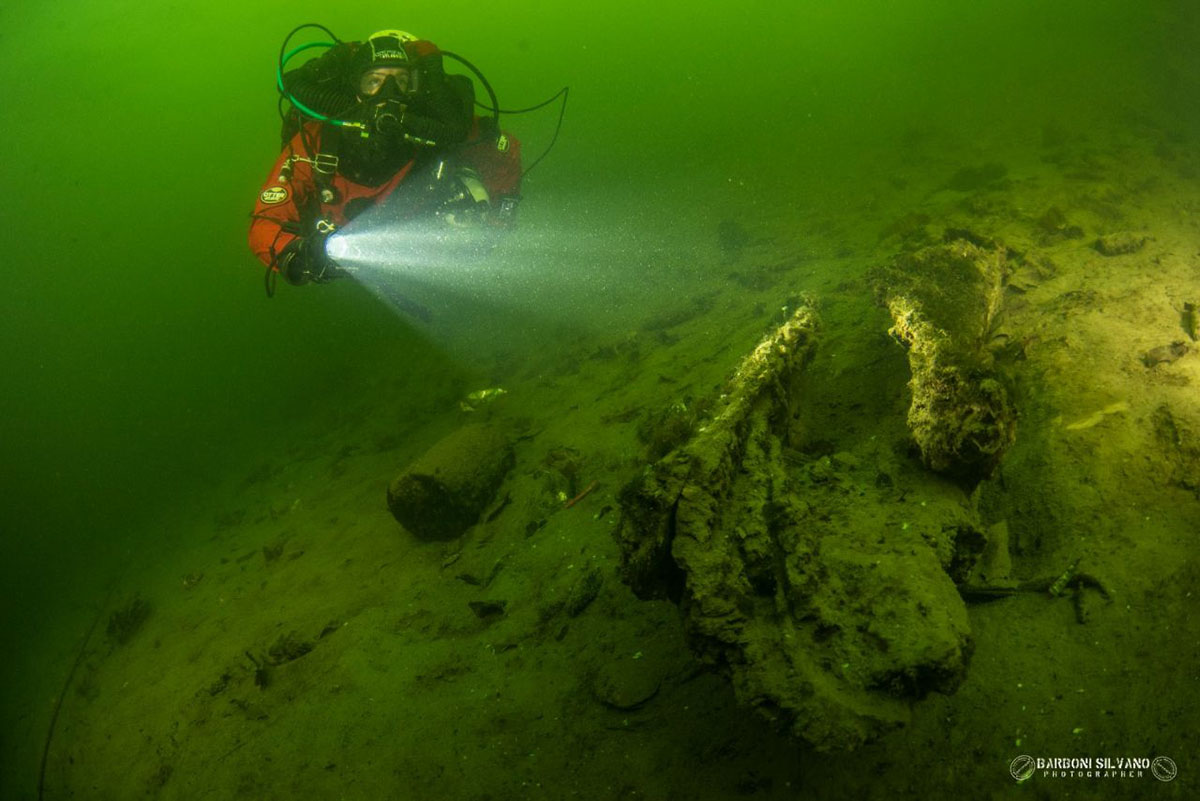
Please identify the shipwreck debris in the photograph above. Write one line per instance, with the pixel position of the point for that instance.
(946, 304)
(1070, 583)
(444, 492)
(796, 577)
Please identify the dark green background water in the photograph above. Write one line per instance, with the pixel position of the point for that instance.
(140, 359)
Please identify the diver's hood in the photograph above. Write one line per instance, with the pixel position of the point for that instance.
(392, 48)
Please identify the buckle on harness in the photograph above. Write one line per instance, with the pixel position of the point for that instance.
(323, 163)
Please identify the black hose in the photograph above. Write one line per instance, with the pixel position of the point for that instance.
(544, 103)
(497, 111)
(565, 92)
(330, 101)
(296, 30)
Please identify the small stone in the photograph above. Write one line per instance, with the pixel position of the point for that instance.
(1164, 354)
(1119, 244)
(584, 592)
(286, 648)
(627, 684)
(845, 460)
(488, 611)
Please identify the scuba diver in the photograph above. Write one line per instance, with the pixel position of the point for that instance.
(367, 118)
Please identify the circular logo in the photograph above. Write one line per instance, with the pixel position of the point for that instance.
(273, 195)
(1164, 769)
(1022, 767)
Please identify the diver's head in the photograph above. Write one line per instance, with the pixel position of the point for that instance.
(386, 54)
(387, 77)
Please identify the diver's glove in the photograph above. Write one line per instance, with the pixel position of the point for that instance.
(305, 260)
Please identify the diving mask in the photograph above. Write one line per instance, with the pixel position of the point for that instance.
(385, 93)
(387, 81)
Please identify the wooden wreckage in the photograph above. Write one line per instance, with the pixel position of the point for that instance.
(826, 598)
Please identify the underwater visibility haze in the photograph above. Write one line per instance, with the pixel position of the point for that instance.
(825, 428)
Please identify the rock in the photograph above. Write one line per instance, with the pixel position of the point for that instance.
(1119, 244)
(442, 494)
(627, 683)
(584, 592)
(287, 648)
(488, 611)
(1164, 354)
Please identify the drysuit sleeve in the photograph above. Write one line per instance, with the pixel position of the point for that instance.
(276, 220)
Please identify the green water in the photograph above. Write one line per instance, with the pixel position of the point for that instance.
(145, 371)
